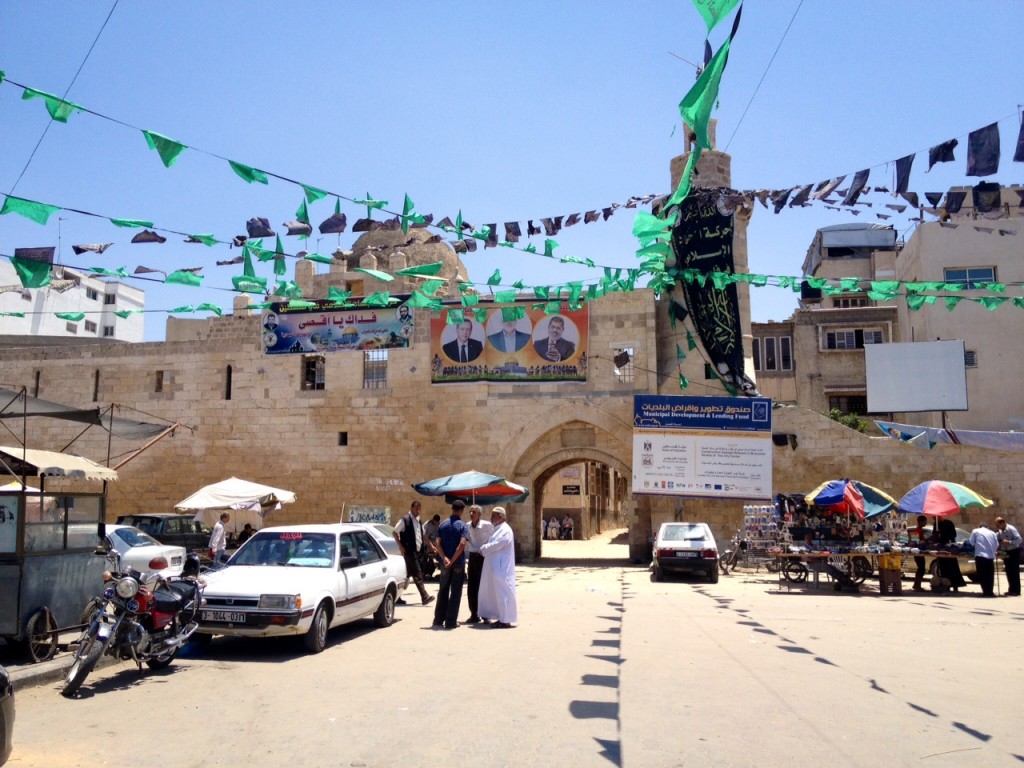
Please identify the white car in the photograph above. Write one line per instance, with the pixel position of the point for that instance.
(685, 548)
(302, 580)
(141, 552)
(385, 536)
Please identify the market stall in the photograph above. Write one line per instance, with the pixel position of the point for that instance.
(247, 502)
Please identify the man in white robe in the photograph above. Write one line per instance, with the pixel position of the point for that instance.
(497, 599)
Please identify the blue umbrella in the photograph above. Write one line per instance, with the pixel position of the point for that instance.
(851, 497)
(474, 487)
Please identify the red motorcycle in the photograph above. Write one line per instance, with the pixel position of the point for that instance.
(146, 622)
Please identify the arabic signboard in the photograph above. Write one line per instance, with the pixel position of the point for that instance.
(702, 446)
(325, 329)
(570, 490)
(536, 347)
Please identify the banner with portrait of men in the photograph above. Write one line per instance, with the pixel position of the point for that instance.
(509, 344)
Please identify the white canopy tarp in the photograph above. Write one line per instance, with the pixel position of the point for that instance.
(247, 502)
(40, 463)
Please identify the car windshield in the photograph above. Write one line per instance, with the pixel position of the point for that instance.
(287, 548)
(683, 532)
(135, 538)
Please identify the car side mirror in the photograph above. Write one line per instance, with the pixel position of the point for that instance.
(348, 561)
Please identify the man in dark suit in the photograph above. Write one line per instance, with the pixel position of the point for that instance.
(509, 338)
(554, 348)
(463, 348)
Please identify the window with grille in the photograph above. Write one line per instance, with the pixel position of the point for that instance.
(72, 327)
(773, 353)
(375, 369)
(313, 371)
(969, 277)
(853, 338)
(623, 360)
(90, 326)
(857, 404)
(850, 301)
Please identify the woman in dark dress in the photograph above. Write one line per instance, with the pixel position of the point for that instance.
(949, 567)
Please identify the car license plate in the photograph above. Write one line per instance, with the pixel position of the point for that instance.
(228, 616)
(687, 554)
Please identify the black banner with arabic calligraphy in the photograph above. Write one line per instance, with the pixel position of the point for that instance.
(702, 240)
(288, 331)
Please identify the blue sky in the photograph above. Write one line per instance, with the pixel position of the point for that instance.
(507, 111)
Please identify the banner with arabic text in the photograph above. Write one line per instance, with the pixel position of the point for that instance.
(324, 329)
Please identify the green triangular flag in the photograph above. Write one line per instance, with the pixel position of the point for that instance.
(419, 300)
(480, 315)
(382, 276)
(455, 316)
(470, 299)
(504, 297)
(430, 287)
(690, 343)
(381, 298)
(248, 173)
(683, 382)
(421, 269)
(302, 214)
(184, 278)
(124, 314)
(319, 258)
(280, 268)
(495, 279)
(207, 240)
(30, 209)
(71, 317)
(33, 274)
(119, 272)
(10, 314)
(182, 310)
(132, 223)
(337, 295)
(211, 308)
(714, 11)
(59, 109)
(249, 283)
(549, 247)
(697, 104)
(511, 314)
(168, 149)
(313, 194)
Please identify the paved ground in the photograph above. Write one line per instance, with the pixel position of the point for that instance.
(607, 669)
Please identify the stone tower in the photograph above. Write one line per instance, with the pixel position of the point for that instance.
(714, 169)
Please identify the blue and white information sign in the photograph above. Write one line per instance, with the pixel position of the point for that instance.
(702, 446)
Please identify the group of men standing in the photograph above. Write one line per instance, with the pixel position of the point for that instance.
(987, 544)
(489, 549)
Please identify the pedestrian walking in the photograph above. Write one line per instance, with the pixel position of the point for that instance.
(452, 537)
(498, 582)
(479, 533)
(1009, 542)
(409, 535)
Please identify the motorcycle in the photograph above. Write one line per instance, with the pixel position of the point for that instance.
(147, 621)
(732, 556)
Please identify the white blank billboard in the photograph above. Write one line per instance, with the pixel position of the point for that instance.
(919, 376)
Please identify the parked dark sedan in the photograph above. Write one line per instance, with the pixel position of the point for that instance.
(6, 715)
(178, 530)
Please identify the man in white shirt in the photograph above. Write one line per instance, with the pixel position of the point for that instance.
(986, 545)
(1009, 542)
(498, 585)
(479, 533)
(218, 539)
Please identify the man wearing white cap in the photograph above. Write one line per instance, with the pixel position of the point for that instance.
(497, 598)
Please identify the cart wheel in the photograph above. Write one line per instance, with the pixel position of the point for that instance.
(795, 571)
(41, 635)
(861, 570)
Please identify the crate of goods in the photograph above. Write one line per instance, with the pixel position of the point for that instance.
(889, 562)
(890, 581)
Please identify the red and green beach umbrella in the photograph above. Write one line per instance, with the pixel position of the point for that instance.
(939, 498)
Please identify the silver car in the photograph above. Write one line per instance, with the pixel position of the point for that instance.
(685, 548)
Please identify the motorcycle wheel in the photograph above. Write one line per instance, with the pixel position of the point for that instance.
(723, 564)
(90, 648)
(162, 662)
(315, 638)
(384, 616)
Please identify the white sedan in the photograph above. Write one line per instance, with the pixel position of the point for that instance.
(302, 580)
(141, 552)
